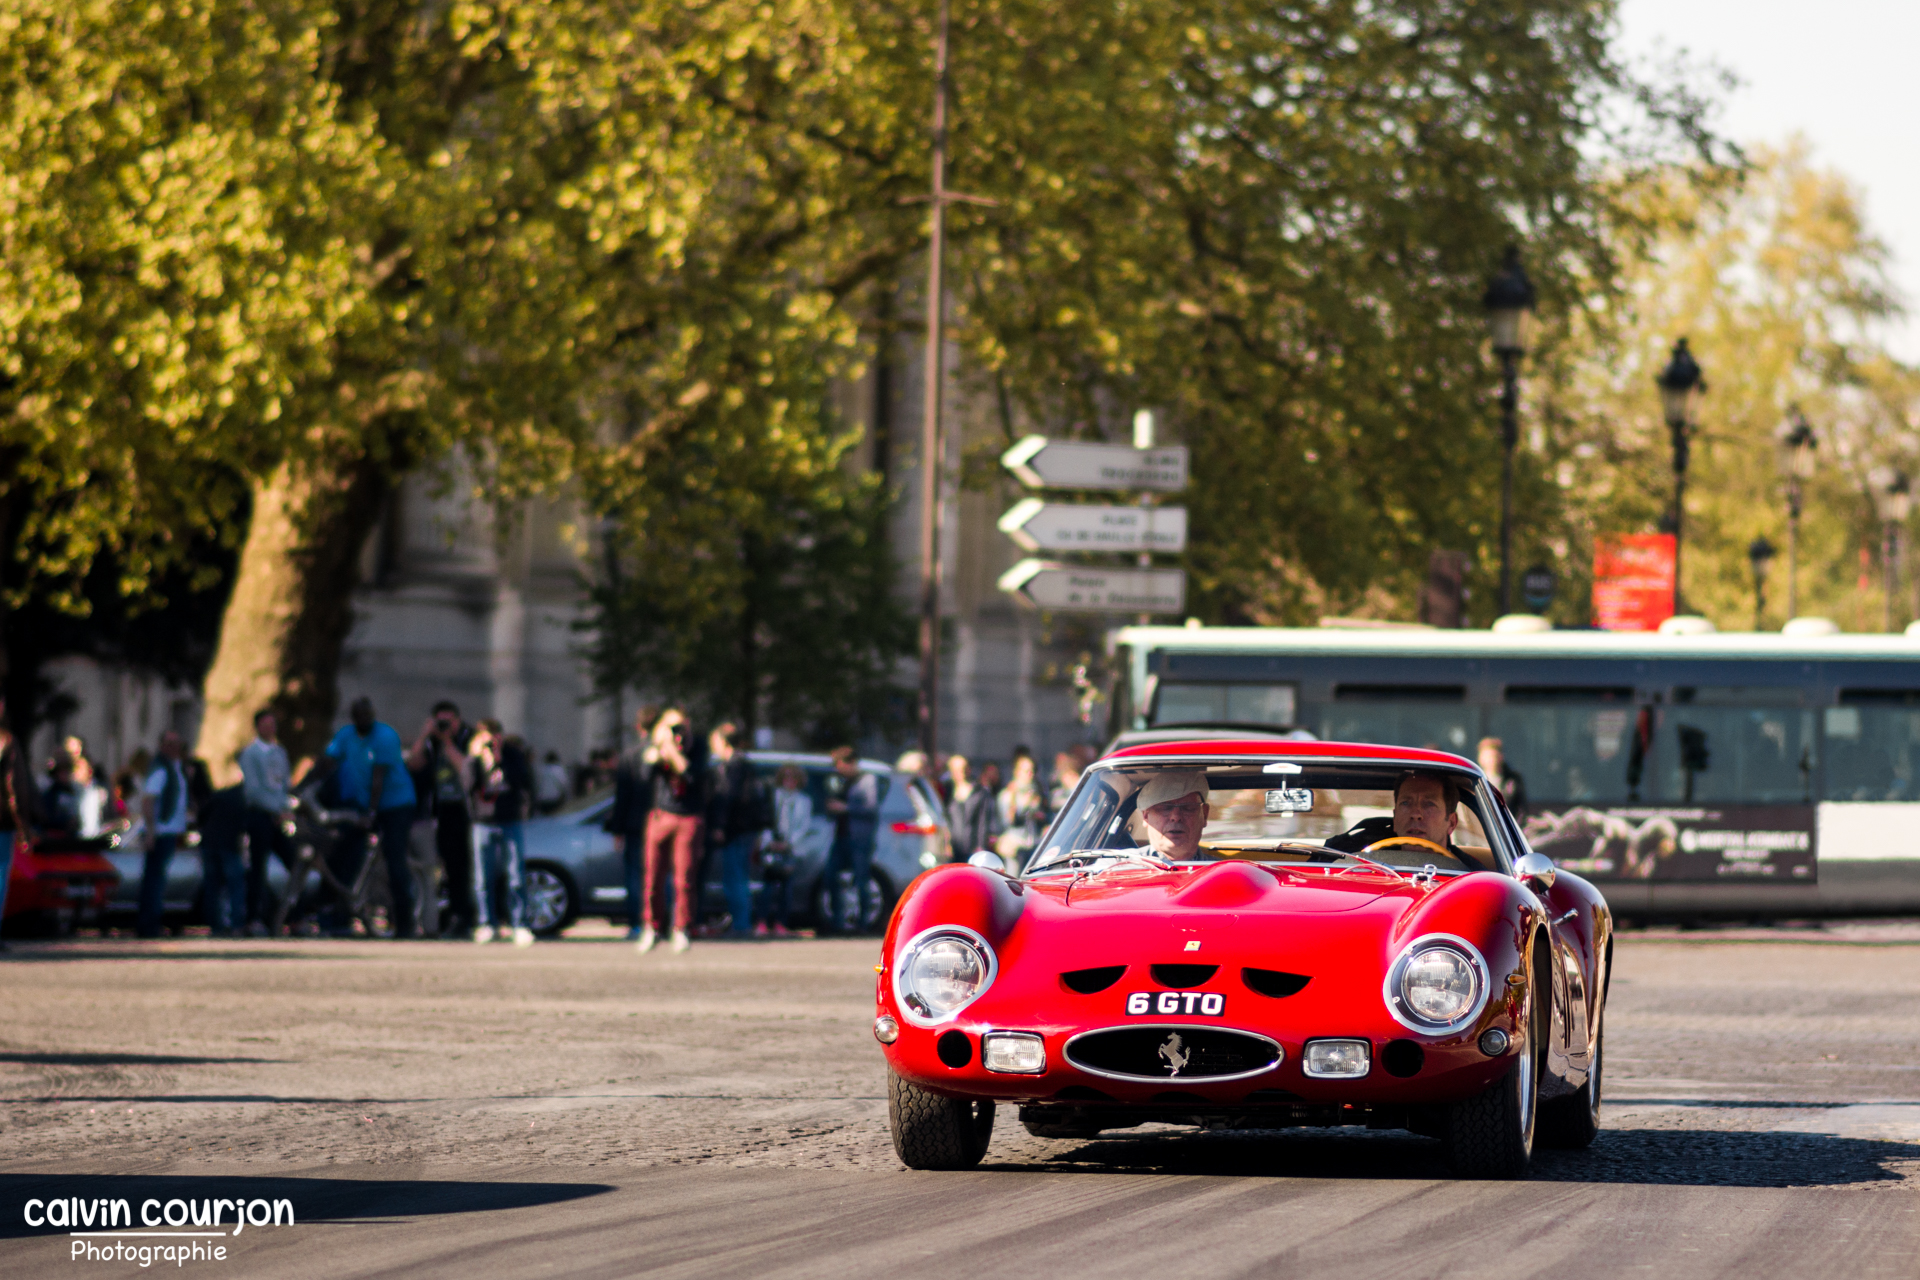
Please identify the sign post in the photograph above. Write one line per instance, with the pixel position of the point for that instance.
(1140, 530)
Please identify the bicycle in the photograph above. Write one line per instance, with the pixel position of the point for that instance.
(368, 899)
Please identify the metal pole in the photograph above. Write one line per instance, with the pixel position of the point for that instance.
(1793, 548)
(1888, 551)
(1680, 443)
(930, 425)
(1509, 438)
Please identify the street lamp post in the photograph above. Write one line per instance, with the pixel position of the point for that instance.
(1893, 496)
(1509, 302)
(1797, 445)
(1760, 554)
(1681, 385)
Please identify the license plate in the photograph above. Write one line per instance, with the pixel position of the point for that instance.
(79, 891)
(1210, 1004)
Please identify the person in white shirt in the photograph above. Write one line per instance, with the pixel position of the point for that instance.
(264, 778)
(163, 804)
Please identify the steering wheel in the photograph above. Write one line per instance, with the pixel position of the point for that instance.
(1413, 840)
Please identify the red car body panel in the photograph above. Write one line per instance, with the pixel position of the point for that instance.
(53, 882)
(1340, 928)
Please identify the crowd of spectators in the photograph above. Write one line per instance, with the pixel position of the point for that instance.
(682, 797)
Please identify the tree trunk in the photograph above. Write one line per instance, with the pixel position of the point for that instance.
(292, 606)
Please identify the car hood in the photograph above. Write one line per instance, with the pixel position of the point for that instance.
(1221, 886)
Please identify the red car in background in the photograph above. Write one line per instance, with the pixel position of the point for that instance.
(56, 882)
(1291, 960)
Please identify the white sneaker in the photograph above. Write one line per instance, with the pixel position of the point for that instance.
(523, 937)
(681, 941)
(647, 940)
(484, 933)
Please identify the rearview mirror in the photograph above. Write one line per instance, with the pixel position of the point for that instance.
(1536, 871)
(989, 859)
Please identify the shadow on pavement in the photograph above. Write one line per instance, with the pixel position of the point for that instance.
(122, 1060)
(1686, 1158)
(315, 1200)
(60, 953)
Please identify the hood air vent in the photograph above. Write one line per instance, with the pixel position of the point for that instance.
(1272, 982)
(1088, 981)
(1181, 976)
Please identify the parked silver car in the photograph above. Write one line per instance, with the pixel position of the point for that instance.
(573, 869)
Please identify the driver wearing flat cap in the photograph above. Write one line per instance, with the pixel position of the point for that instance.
(1173, 809)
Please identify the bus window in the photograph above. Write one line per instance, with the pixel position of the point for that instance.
(1567, 752)
(1731, 755)
(1873, 746)
(1180, 702)
(1432, 716)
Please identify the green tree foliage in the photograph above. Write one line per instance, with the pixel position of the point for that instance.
(1276, 225)
(168, 269)
(1782, 290)
(789, 619)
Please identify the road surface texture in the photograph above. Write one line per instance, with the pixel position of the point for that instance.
(578, 1110)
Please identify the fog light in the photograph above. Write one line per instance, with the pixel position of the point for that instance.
(1338, 1059)
(885, 1029)
(1013, 1053)
(1493, 1042)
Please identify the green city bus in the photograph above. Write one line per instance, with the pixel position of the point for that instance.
(1692, 773)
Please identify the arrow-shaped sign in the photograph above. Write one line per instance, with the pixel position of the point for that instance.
(1064, 586)
(1057, 526)
(1072, 464)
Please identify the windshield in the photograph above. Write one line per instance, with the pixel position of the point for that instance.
(1279, 811)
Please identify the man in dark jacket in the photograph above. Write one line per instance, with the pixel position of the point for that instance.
(440, 755)
(734, 823)
(632, 802)
(853, 802)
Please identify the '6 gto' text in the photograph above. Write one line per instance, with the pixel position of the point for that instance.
(1210, 1003)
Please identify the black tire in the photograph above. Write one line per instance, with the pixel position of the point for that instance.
(823, 906)
(552, 901)
(1491, 1135)
(932, 1132)
(1573, 1122)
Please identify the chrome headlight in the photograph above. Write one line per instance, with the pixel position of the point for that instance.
(942, 971)
(1437, 984)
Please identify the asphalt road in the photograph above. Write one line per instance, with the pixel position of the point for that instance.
(577, 1110)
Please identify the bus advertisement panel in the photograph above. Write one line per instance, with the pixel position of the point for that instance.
(1726, 843)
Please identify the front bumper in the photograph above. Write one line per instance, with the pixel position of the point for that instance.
(1404, 1069)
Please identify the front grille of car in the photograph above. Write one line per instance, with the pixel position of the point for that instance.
(1172, 1053)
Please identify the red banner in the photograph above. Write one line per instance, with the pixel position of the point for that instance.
(1632, 581)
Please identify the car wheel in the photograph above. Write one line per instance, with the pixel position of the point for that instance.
(932, 1132)
(1491, 1134)
(551, 903)
(850, 905)
(1573, 1122)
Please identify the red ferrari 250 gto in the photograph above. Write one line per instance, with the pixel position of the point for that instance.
(1257, 935)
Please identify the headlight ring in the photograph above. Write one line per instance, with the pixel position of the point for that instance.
(941, 971)
(1437, 984)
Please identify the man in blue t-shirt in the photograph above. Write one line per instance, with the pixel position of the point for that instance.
(373, 778)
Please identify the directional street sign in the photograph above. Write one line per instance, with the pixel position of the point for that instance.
(1057, 526)
(1071, 464)
(1065, 586)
